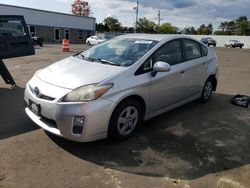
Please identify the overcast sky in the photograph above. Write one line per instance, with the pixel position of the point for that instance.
(180, 13)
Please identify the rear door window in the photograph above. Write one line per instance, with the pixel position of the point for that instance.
(192, 49)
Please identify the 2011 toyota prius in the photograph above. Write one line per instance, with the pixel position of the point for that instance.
(109, 89)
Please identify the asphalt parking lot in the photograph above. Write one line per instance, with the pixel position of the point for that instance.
(194, 146)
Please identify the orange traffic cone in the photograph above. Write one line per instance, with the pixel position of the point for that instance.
(65, 45)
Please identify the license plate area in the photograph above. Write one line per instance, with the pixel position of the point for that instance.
(34, 107)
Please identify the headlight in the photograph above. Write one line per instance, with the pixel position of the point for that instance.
(87, 93)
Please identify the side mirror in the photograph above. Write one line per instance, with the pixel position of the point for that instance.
(160, 66)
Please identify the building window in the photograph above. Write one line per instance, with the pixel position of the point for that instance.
(56, 34)
(67, 34)
(80, 34)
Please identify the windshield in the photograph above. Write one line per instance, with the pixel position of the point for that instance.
(119, 52)
(100, 38)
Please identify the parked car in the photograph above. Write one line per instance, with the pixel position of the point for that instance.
(234, 44)
(208, 41)
(93, 40)
(109, 89)
(37, 41)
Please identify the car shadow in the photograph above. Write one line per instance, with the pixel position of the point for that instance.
(13, 120)
(188, 142)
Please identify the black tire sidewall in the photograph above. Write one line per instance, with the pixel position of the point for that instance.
(202, 99)
(113, 132)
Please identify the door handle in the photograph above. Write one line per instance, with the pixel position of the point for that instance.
(182, 72)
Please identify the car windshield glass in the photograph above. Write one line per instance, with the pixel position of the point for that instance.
(100, 38)
(119, 52)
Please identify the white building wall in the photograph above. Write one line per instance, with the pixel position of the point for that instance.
(221, 39)
(52, 19)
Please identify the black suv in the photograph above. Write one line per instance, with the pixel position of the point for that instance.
(208, 41)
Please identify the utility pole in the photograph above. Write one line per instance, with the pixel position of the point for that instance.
(137, 11)
(159, 20)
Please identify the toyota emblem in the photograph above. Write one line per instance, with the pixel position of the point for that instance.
(37, 91)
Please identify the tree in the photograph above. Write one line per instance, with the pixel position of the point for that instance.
(231, 28)
(80, 8)
(210, 28)
(146, 26)
(201, 28)
(223, 26)
(167, 28)
(205, 30)
(100, 27)
(113, 24)
(190, 31)
(242, 25)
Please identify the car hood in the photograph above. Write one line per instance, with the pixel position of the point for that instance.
(73, 72)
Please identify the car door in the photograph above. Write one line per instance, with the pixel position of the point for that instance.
(168, 88)
(15, 40)
(196, 65)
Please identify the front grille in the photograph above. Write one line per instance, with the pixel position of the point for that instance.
(41, 96)
(50, 122)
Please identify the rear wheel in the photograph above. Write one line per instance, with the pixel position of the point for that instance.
(207, 91)
(88, 43)
(125, 120)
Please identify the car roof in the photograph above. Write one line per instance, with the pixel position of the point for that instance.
(155, 37)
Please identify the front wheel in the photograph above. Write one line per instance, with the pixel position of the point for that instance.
(125, 120)
(207, 91)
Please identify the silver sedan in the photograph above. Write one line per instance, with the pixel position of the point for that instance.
(109, 89)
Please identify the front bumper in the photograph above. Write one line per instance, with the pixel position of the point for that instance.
(58, 117)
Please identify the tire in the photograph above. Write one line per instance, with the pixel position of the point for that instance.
(207, 91)
(125, 120)
(214, 45)
(88, 43)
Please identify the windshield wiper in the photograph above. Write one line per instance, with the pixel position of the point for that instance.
(107, 62)
(87, 58)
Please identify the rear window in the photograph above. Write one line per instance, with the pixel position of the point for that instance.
(11, 28)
